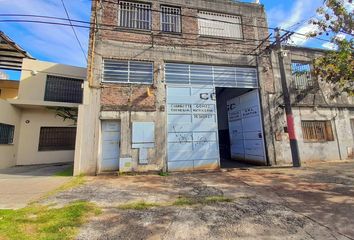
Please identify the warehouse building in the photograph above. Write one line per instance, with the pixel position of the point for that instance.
(163, 76)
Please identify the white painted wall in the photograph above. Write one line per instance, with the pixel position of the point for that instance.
(29, 138)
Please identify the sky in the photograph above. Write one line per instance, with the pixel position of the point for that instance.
(58, 43)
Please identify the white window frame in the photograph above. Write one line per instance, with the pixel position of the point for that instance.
(171, 13)
(140, 14)
(220, 25)
(128, 72)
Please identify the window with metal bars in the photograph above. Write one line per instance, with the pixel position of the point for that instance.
(134, 15)
(220, 25)
(63, 89)
(116, 71)
(6, 133)
(317, 131)
(57, 138)
(170, 19)
(302, 77)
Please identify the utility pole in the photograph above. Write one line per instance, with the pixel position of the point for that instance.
(287, 102)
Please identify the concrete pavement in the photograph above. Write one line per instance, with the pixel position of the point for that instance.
(22, 185)
(313, 202)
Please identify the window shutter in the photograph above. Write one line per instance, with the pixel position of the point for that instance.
(329, 131)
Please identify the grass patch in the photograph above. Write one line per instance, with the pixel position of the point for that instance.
(37, 222)
(138, 205)
(180, 202)
(164, 174)
(216, 199)
(183, 201)
(187, 201)
(69, 172)
(74, 182)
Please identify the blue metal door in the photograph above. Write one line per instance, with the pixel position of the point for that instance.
(192, 128)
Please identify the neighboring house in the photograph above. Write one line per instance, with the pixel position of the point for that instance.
(8, 89)
(30, 130)
(161, 74)
(324, 123)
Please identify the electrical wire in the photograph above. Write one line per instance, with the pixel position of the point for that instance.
(197, 17)
(74, 31)
(107, 25)
(230, 41)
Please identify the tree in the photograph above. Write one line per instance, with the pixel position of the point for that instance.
(336, 67)
(66, 113)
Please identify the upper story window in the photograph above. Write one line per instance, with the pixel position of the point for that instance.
(134, 15)
(116, 71)
(6, 133)
(170, 19)
(219, 25)
(63, 89)
(301, 73)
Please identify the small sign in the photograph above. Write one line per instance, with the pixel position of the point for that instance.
(250, 112)
(180, 108)
(203, 108)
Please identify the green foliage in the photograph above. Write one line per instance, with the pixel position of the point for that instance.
(334, 17)
(37, 222)
(66, 113)
(336, 67)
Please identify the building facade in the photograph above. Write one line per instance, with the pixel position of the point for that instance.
(32, 127)
(161, 75)
(324, 119)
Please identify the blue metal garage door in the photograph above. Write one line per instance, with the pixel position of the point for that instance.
(192, 114)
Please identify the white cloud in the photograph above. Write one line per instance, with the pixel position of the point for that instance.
(297, 18)
(48, 42)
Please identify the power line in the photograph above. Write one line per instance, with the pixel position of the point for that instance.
(72, 27)
(234, 41)
(197, 17)
(108, 25)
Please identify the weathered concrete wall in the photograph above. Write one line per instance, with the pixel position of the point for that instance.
(9, 115)
(313, 104)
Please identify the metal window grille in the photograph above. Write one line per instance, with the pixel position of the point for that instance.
(57, 138)
(170, 19)
(63, 89)
(218, 76)
(116, 71)
(301, 73)
(317, 131)
(134, 15)
(225, 26)
(6, 133)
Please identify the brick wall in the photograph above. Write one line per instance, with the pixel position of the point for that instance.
(189, 37)
(133, 97)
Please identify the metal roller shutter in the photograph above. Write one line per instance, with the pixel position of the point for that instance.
(217, 76)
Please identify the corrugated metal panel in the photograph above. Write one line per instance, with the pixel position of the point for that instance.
(245, 126)
(192, 128)
(117, 71)
(217, 76)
